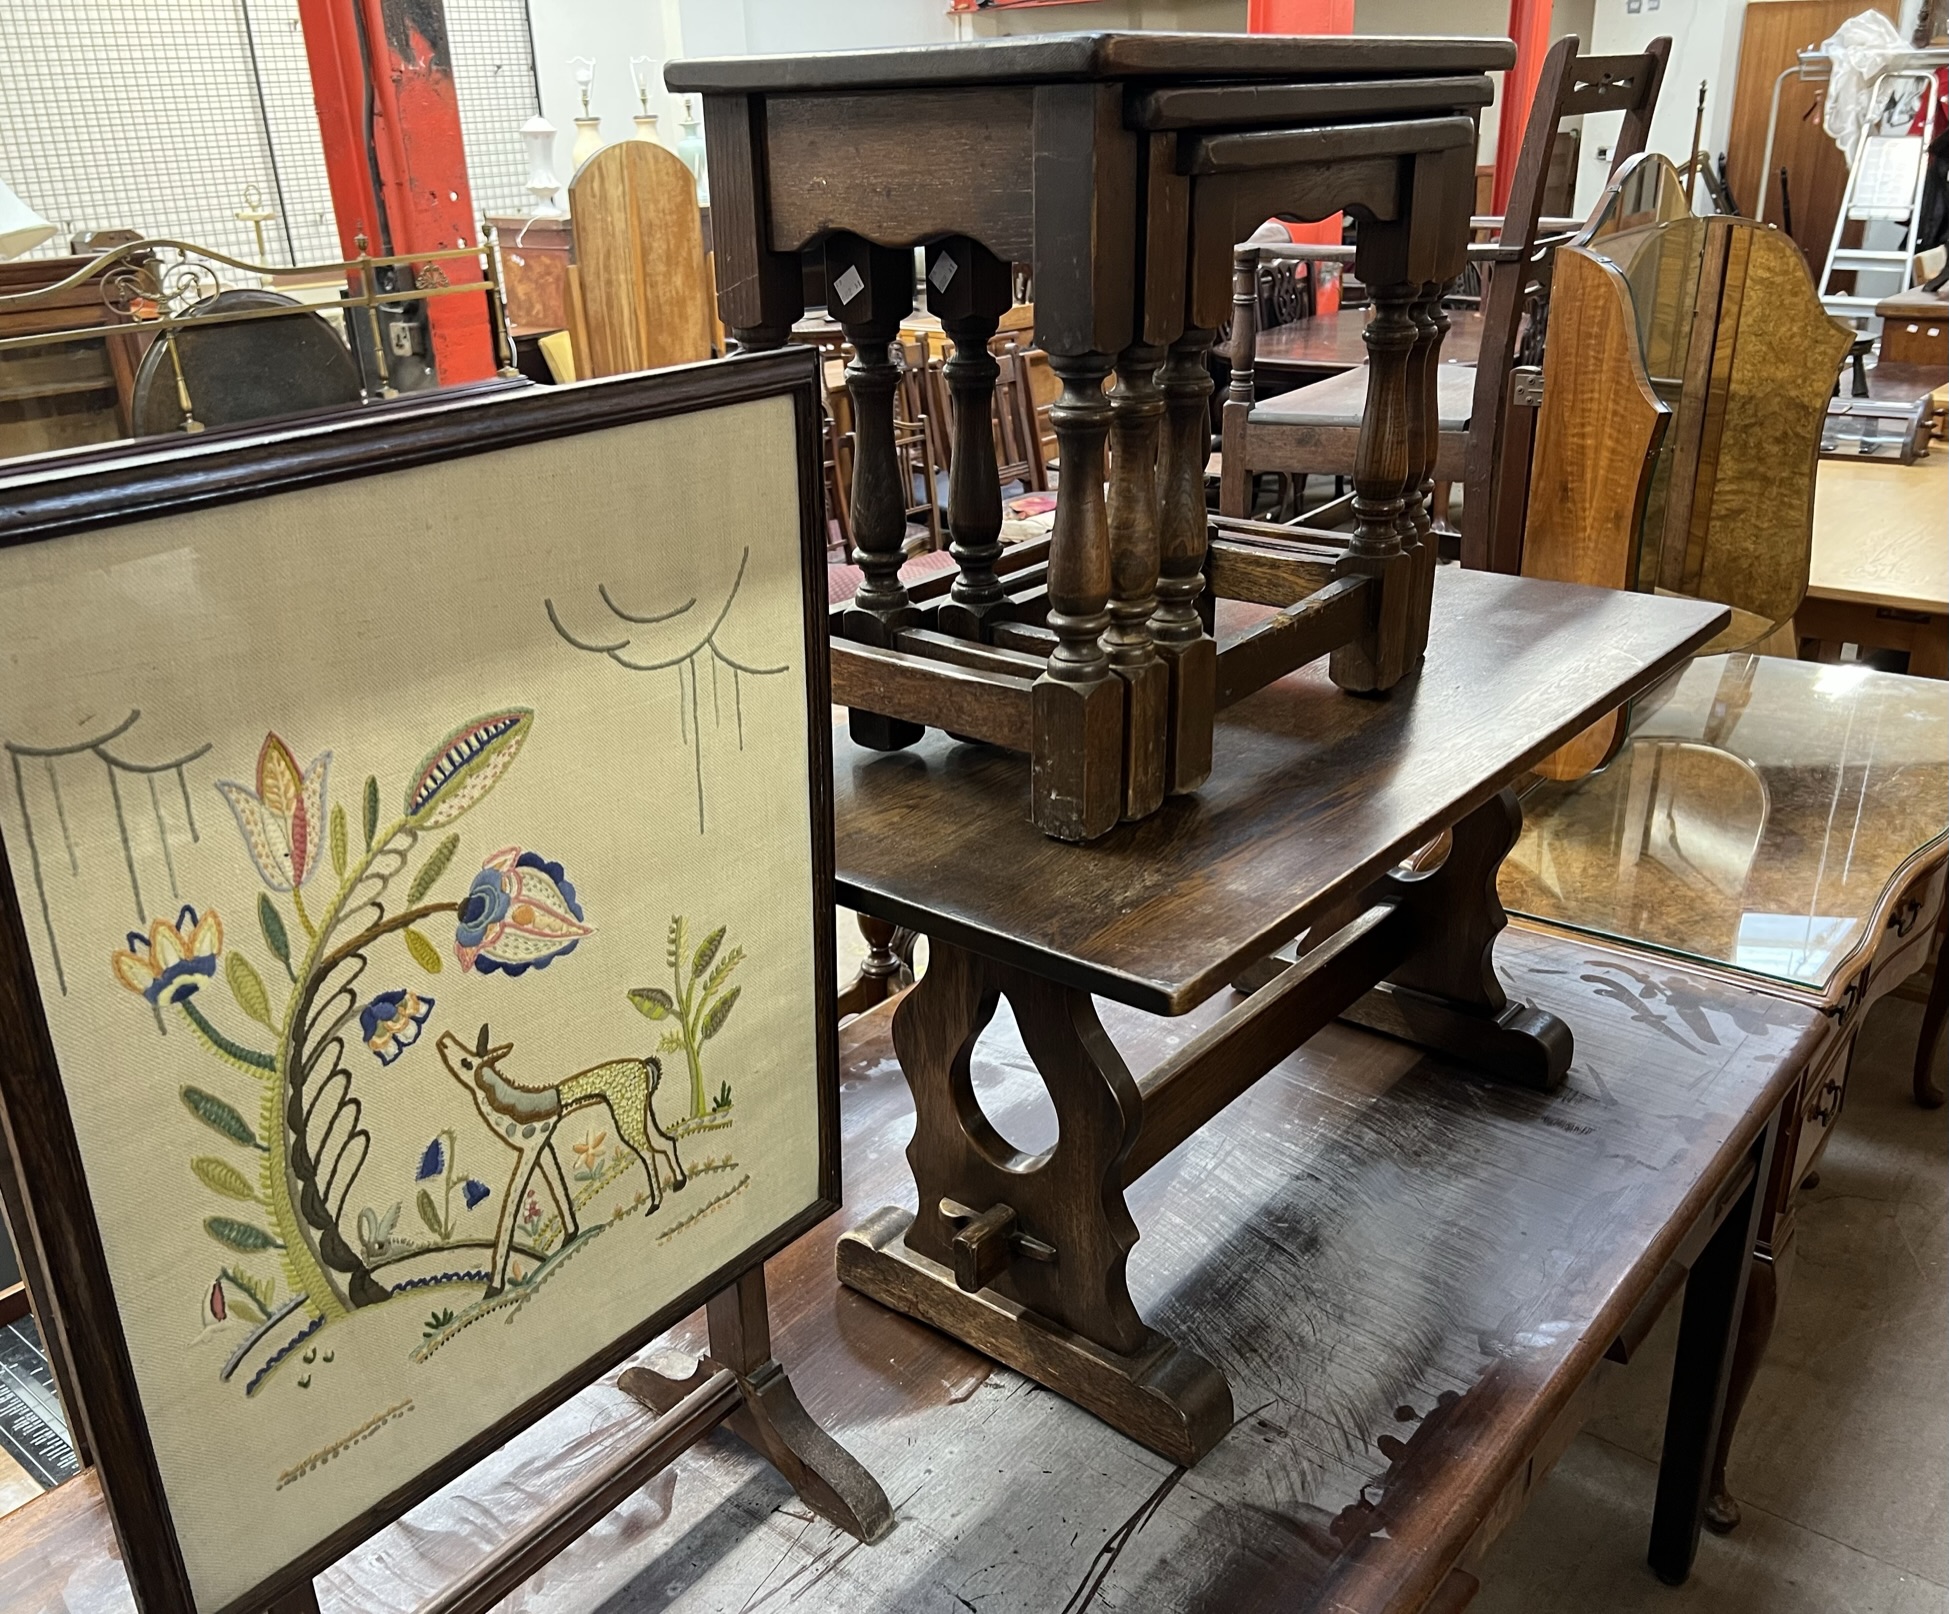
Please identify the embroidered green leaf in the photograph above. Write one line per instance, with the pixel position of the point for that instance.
(220, 1117)
(338, 837)
(371, 810)
(672, 1042)
(256, 1296)
(722, 973)
(257, 1288)
(652, 1002)
(431, 870)
(720, 1012)
(271, 922)
(430, 1214)
(674, 950)
(706, 951)
(425, 954)
(465, 765)
(247, 987)
(236, 1235)
(220, 1177)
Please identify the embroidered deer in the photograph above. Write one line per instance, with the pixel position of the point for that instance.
(525, 1119)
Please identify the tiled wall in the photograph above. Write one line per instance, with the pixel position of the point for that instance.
(155, 115)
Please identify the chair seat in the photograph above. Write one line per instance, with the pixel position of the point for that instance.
(1342, 400)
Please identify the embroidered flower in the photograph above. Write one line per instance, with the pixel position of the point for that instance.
(473, 1190)
(283, 820)
(219, 1307)
(391, 1022)
(171, 962)
(519, 914)
(433, 1161)
(589, 1150)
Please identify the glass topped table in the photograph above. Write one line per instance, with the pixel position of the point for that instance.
(1765, 816)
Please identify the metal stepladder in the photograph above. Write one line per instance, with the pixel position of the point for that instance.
(1884, 185)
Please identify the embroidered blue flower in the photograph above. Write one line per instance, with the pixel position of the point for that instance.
(168, 964)
(433, 1161)
(473, 1190)
(519, 914)
(391, 1022)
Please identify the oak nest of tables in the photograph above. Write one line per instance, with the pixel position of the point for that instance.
(1122, 168)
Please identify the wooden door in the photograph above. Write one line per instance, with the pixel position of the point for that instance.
(1775, 31)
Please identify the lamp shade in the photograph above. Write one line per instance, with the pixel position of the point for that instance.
(21, 228)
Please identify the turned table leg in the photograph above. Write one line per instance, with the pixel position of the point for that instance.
(1001, 1237)
(870, 290)
(884, 970)
(1378, 657)
(1076, 776)
(970, 289)
(1177, 630)
(1136, 413)
(1417, 524)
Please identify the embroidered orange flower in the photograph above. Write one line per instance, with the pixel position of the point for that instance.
(589, 1150)
(170, 963)
(283, 820)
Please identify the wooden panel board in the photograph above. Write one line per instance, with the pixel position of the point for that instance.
(1778, 352)
(966, 157)
(1598, 429)
(1879, 534)
(642, 294)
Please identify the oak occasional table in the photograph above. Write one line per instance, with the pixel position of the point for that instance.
(1783, 825)
(1315, 802)
(1325, 345)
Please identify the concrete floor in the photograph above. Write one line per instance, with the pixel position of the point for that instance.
(1841, 1466)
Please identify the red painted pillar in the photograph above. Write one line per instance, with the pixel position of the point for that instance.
(390, 125)
(1529, 26)
(1306, 17)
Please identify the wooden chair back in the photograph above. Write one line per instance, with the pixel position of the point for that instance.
(917, 432)
(1018, 444)
(1285, 289)
(639, 289)
(1018, 441)
(1499, 447)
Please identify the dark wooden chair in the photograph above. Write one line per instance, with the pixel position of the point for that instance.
(917, 432)
(1018, 441)
(1317, 428)
(1497, 474)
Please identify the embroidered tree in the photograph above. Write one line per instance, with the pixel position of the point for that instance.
(299, 1136)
